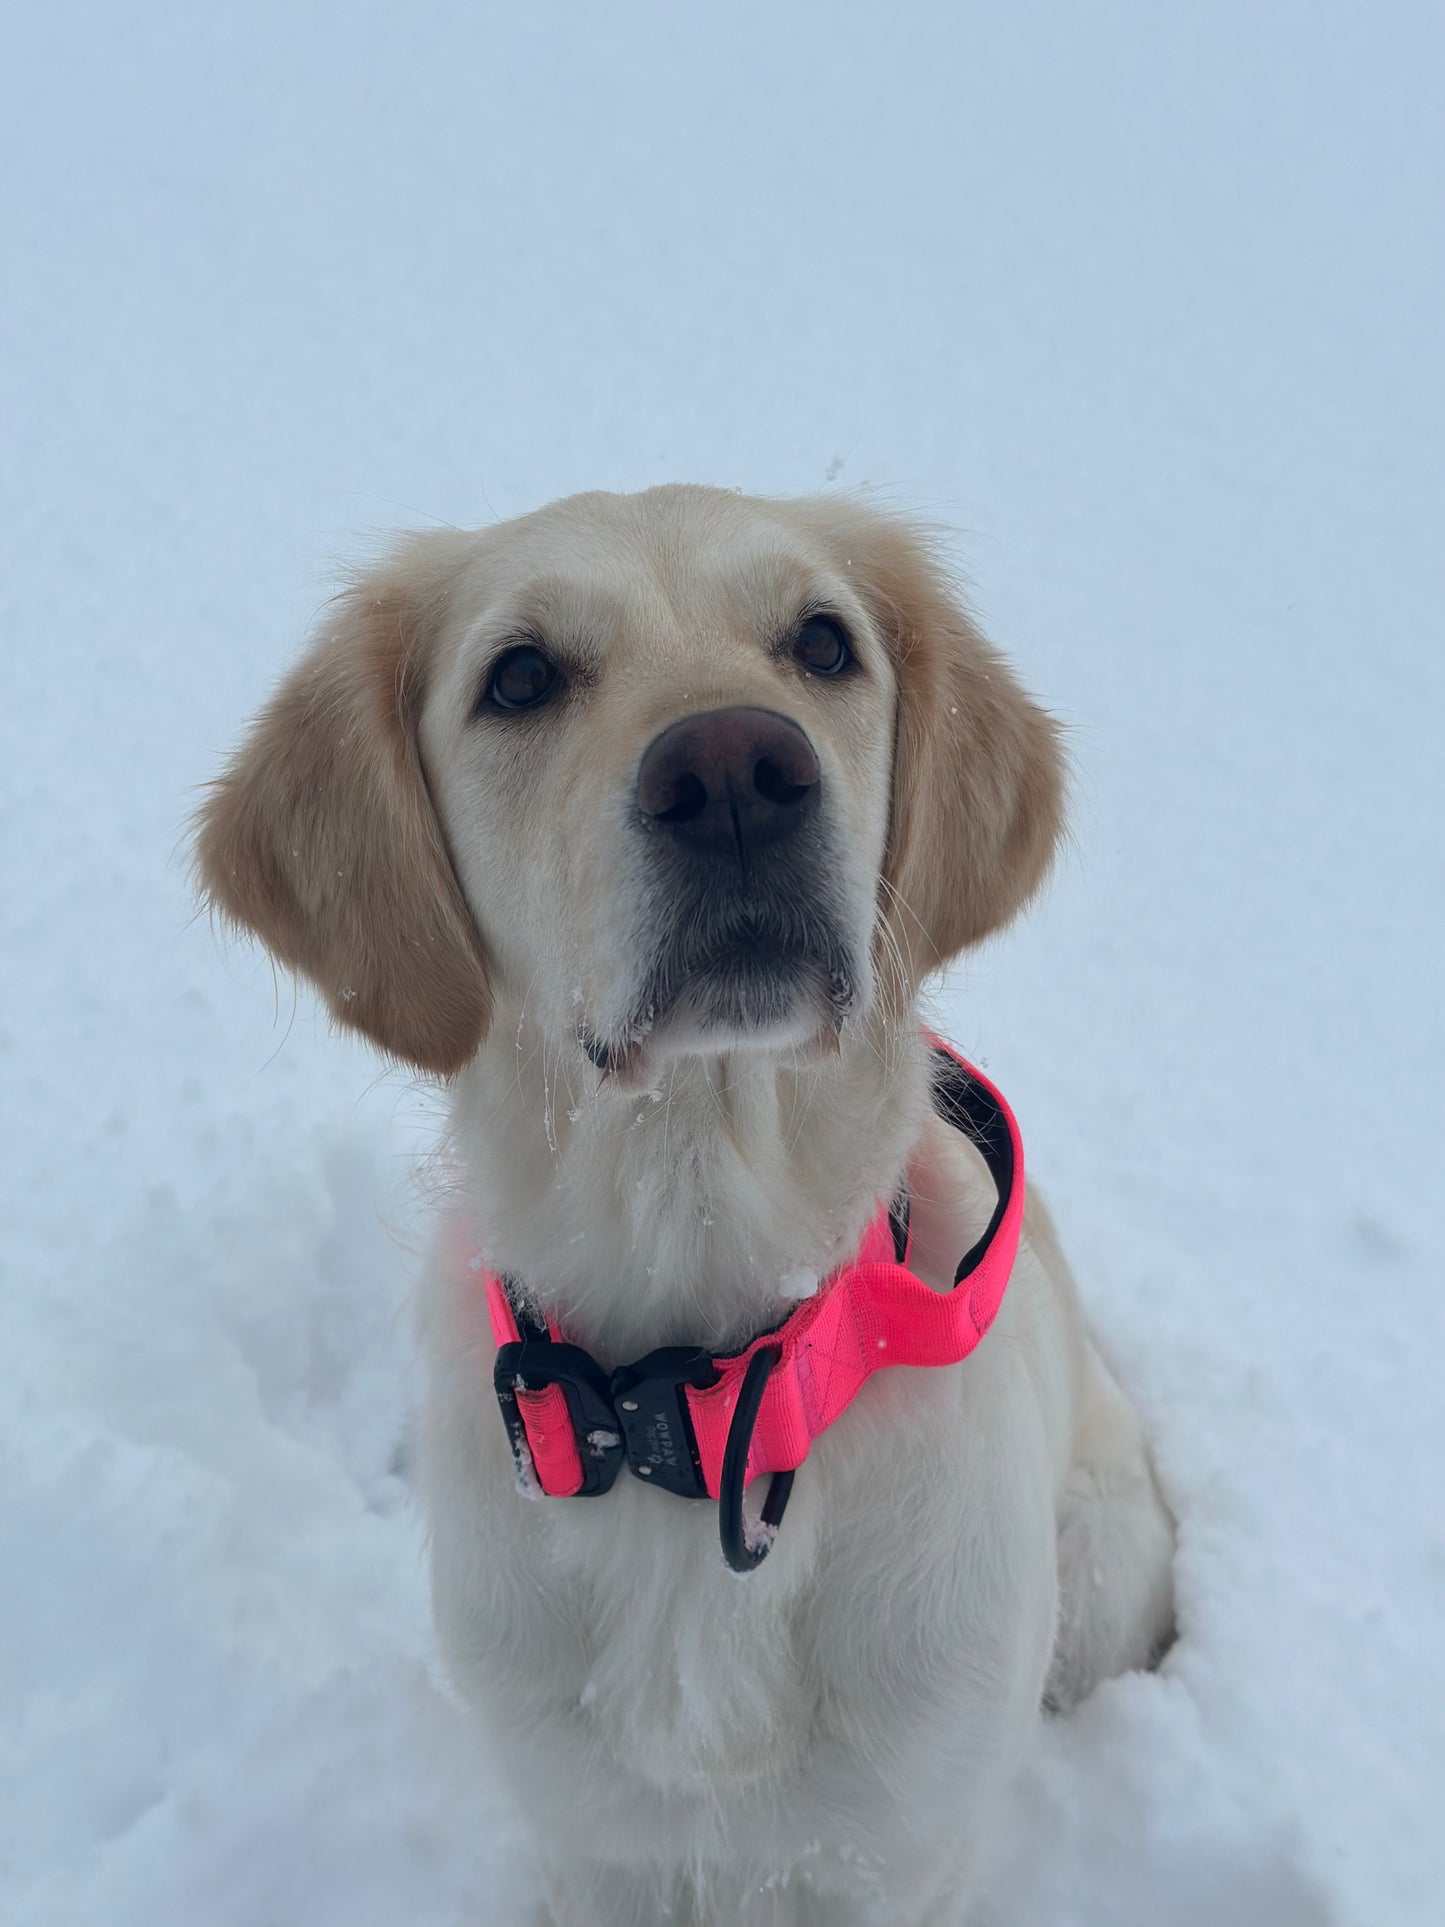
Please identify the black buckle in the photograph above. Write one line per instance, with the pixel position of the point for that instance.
(651, 1408)
(538, 1362)
(639, 1416)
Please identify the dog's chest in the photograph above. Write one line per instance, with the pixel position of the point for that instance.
(683, 1670)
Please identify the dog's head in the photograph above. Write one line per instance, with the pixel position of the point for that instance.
(679, 771)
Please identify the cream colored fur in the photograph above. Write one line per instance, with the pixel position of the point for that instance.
(823, 1740)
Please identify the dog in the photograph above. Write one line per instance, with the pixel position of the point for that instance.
(641, 821)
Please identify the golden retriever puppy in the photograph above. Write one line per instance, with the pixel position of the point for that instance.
(640, 820)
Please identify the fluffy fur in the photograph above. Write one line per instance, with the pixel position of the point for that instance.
(822, 1741)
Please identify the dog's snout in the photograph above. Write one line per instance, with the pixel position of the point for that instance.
(728, 780)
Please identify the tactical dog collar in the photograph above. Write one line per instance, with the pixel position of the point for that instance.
(703, 1427)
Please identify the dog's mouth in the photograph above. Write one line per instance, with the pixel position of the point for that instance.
(775, 977)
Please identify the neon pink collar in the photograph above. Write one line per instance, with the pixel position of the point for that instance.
(704, 1427)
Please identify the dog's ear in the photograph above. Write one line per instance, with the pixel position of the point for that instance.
(978, 772)
(320, 836)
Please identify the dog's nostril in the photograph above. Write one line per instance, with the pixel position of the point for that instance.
(773, 783)
(689, 799)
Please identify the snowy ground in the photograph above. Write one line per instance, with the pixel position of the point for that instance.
(1146, 301)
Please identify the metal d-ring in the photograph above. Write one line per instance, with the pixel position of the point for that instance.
(739, 1555)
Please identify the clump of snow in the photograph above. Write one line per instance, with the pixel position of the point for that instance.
(524, 1470)
(758, 1535)
(1144, 298)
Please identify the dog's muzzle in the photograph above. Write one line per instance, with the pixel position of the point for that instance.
(746, 931)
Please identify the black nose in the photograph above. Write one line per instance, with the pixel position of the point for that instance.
(728, 781)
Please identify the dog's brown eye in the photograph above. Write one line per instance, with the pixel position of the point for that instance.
(521, 679)
(822, 647)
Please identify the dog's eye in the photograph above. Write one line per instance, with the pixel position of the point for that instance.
(821, 646)
(520, 679)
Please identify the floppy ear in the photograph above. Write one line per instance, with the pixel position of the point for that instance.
(978, 773)
(321, 839)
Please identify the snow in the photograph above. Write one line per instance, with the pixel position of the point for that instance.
(1144, 301)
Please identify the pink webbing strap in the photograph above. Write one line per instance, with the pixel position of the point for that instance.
(872, 1313)
(546, 1418)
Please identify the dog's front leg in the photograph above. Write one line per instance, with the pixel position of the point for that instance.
(592, 1895)
(583, 1894)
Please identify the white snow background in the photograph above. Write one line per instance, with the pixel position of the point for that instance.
(1146, 302)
